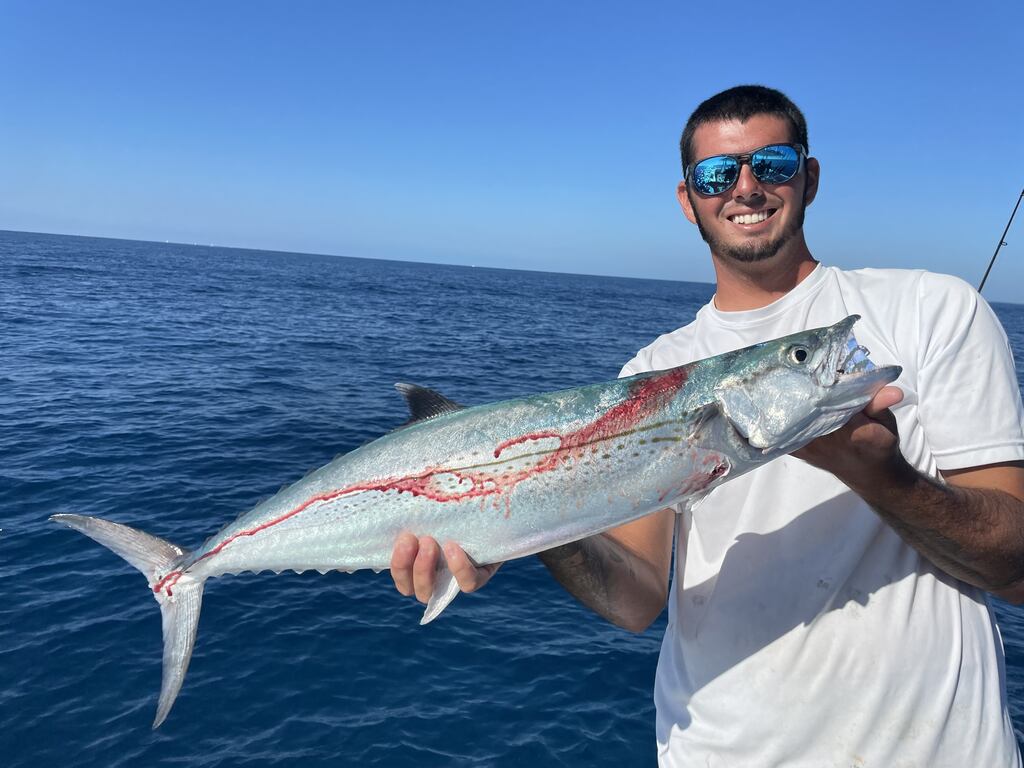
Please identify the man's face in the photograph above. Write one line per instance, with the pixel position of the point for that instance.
(775, 211)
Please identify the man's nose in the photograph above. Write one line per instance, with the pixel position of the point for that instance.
(747, 185)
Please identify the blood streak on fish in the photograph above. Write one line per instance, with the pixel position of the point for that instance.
(646, 397)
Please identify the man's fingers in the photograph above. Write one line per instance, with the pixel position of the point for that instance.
(402, 558)
(883, 400)
(468, 574)
(424, 570)
(414, 566)
(879, 409)
(461, 566)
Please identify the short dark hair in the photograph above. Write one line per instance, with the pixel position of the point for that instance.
(742, 103)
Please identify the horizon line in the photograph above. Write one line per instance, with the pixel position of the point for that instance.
(391, 259)
(343, 256)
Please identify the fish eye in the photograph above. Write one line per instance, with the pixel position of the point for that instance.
(798, 354)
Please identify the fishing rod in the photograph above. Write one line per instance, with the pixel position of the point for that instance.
(1002, 241)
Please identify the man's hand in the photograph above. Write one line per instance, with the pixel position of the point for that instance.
(414, 566)
(971, 526)
(863, 451)
(621, 574)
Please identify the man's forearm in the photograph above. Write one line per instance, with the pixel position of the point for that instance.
(974, 534)
(610, 580)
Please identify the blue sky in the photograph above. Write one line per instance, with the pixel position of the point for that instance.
(533, 135)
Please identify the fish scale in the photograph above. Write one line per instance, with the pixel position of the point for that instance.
(510, 479)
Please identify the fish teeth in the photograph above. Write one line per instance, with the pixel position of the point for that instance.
(859, 353)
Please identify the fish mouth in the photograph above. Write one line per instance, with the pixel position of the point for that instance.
(846, 373)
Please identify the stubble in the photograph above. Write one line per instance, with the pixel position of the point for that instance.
(760, 249)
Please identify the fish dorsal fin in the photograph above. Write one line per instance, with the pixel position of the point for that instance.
(425, 403)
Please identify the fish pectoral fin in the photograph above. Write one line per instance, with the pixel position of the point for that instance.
(702, 418)
(445, 590)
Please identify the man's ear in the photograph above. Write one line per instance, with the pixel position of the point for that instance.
(813, 170)
(684, 202)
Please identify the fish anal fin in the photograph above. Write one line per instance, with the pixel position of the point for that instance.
(445, 590)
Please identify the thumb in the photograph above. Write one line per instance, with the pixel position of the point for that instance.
(883, 400)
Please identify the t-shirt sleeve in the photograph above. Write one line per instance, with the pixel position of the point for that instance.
(970, 403)
(639, 364)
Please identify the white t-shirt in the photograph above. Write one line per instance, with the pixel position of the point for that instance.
(802, 630)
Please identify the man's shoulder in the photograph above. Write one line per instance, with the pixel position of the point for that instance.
(897, 282)
(912, 304)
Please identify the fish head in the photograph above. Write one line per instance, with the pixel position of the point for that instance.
(781, 394)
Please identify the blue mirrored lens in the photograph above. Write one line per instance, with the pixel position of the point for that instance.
(775, 164)
(715, 175)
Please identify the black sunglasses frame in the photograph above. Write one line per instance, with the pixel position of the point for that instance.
(745, 159)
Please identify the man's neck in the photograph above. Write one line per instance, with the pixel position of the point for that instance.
(758, 284)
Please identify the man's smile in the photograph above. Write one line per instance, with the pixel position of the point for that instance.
(752, 218)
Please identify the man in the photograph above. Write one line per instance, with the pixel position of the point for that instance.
(830, 609)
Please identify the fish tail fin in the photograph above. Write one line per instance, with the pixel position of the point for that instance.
(180, 615)
(179, 609)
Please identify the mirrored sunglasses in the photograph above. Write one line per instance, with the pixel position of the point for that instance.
(772, 164)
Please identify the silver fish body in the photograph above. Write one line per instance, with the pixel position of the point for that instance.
(510, 479)
(504, 480)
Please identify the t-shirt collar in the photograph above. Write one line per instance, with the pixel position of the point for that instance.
(804, 290)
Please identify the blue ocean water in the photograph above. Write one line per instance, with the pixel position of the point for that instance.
(171, 387)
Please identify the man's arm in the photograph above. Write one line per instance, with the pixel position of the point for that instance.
(996, 492)
(621, 574)
(972, 528)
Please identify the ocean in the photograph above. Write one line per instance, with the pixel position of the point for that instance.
(171, 387)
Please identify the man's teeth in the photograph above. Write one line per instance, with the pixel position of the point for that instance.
(749, 218)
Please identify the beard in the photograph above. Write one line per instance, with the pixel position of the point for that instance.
(760, 249)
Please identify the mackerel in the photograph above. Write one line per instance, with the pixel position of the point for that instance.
(513, 478)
